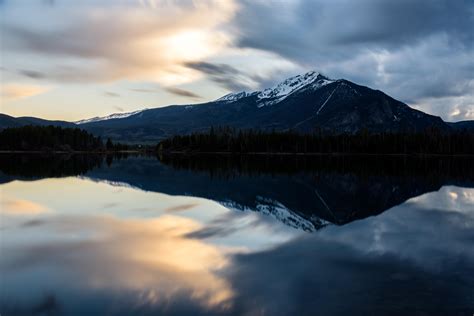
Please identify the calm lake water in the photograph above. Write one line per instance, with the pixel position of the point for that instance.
(218, 235)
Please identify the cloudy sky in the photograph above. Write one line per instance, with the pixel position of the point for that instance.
(66, 59)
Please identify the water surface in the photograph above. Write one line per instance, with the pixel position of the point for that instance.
(219, 235)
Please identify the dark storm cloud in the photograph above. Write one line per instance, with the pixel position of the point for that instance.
(111, 94)
(32, 223)
(32, 74)
(225, 75)
(144, 90)
(311, 24)
(183, 93)
(413, 50)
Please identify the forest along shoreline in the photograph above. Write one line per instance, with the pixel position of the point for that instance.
(228, 141)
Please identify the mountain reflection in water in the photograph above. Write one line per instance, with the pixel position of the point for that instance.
(303, 192)
(228, 235)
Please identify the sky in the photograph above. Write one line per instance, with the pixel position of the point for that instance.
(70, 60)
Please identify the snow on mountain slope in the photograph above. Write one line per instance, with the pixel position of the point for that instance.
(279, 92)
(108, 117)
(111, 182)
(281, 213)
(311, 79)
(231, 97)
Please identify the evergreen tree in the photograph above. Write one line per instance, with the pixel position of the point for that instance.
(225, 139)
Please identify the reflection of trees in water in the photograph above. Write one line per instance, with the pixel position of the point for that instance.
(441, 167)
(337, 189)
(53, 165)
(229, 166)
(46, 305)
(42, 166)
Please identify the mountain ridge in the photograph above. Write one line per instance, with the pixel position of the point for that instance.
(108, 117)
(10, 121)
(320, 103)
(304, 103)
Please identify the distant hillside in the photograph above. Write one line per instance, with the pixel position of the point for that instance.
(463, 125)
(10, 121)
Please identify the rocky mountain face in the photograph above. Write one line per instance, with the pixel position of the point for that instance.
(305, 103)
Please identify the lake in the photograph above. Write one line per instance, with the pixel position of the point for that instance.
(236, 235)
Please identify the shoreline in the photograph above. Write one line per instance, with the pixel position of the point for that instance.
(71, 152)
(223, 153)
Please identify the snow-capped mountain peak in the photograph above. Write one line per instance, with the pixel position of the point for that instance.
(312, 79)
(293, 84)
(283, 89)
(280, 212)
(231, 97)
(108, 117)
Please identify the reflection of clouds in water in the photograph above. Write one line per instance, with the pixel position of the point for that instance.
(312, 276)
(453, 195)
(408, 260)
(428, 230)
(182, 207)
(415, 257)
(245, 230)
(150, 260)
(110, 205)
(9, 206)
(448, 198)
(468, 195)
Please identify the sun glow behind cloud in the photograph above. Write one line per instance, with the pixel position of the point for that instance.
(12, 91)
(88, 47)
(102, 44)
(111, 247)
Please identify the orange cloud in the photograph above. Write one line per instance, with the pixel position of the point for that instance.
(149, 42)
(21, 207)
(18, 91)
(153, 258)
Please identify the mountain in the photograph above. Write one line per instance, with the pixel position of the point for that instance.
(304, 103)
(108, 117)
(10, 121)
(463, 125)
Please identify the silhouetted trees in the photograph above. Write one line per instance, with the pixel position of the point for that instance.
(53, 138)
(230, 140)
(109, 145)
(43, 165)
(453, 170)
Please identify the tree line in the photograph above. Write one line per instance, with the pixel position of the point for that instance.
(53, 138)
(229, 140)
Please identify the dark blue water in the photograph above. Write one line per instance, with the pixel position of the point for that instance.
(236, 236)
